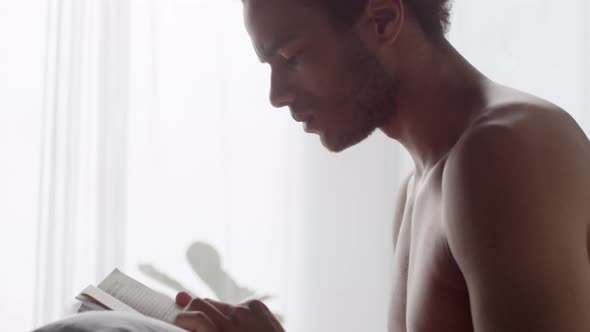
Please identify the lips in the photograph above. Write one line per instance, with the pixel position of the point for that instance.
(306, 118)
(308, 127)
(301, 117)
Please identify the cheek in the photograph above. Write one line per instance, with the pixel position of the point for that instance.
(338, 116)
(317, 85)
(335, 103)
(322, 77)
(327, 94)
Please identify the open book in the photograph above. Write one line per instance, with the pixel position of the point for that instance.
(120, 292)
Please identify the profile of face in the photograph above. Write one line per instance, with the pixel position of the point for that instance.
(326, 76)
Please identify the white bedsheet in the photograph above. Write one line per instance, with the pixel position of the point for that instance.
(109, 321)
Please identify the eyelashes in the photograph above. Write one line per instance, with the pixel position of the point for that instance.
(293, 60)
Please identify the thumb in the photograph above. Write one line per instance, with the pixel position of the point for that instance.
(183, 299)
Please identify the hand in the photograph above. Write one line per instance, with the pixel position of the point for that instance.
(204, 315)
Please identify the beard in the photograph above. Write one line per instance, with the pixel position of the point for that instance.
(368, 98)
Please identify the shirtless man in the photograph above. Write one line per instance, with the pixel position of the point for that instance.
(492, 227)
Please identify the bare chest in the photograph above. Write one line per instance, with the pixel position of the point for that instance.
(429, 292)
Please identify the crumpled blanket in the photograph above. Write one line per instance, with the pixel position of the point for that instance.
(109, 321)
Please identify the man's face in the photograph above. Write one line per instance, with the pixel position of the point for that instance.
(327, 77)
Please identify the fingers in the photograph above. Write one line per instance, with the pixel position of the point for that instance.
(222, 315)
(183, 299)
(257, 306)
(199, 313)
(226, 309)
(239, 314)
(195, 321)
(216, 316)
(261, 309)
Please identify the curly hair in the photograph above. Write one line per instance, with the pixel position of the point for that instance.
(432, 15)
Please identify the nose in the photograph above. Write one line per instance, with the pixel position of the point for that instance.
(281, 94)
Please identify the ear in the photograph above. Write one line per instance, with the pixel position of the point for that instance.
(385, 19)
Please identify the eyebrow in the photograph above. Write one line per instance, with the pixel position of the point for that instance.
(276, 44)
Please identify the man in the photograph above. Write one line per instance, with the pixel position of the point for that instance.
(492, 227)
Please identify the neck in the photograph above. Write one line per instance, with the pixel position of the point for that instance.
(440, 94)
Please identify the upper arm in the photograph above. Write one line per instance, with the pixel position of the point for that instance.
(513, 202)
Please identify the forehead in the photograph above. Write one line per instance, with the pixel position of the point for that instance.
(268, 19)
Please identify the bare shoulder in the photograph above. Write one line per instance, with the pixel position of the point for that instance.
(529, 116)
(515, 196)
(527, 134)
(522, 154)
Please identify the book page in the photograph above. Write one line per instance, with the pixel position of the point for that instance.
(140, 297)
(105, 299)
(89, 304)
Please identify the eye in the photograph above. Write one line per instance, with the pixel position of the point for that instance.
(292, 60)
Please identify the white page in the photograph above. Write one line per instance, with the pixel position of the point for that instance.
(106, 299)
(140, 297)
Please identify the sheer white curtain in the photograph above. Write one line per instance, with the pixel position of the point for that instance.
(158, 139)
(22, 41)
(81, 232)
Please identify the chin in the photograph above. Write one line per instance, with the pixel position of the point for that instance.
(340, 143)
(334, 145)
